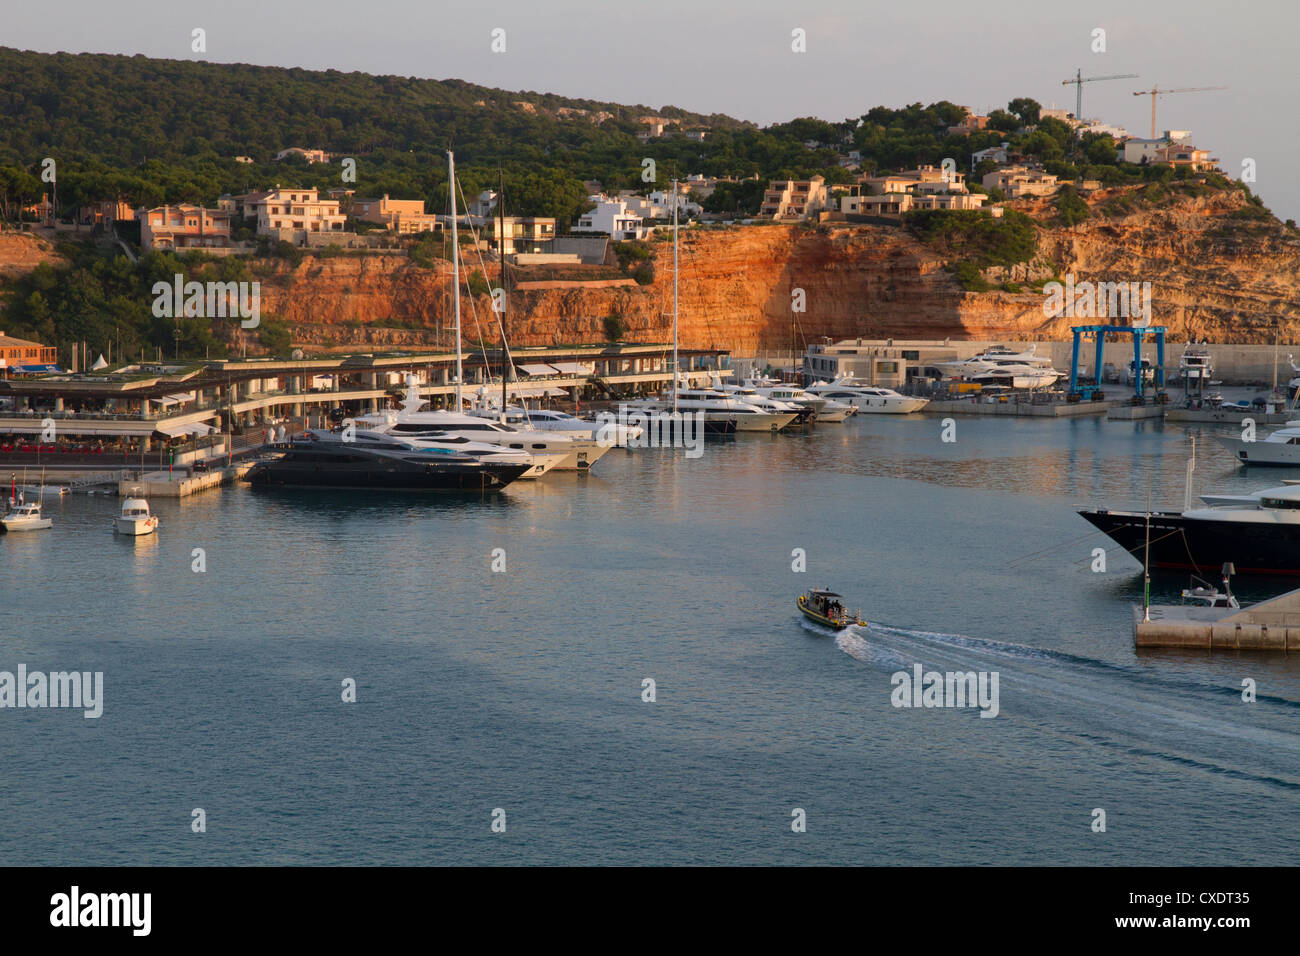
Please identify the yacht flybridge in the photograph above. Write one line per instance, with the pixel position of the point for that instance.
(871, 399)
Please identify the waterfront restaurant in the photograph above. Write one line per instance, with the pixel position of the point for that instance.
(187, 405)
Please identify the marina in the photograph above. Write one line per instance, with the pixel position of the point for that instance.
(860, 459)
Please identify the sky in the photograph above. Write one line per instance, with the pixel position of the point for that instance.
(735, 57)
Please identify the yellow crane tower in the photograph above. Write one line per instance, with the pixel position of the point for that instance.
(1156, 91)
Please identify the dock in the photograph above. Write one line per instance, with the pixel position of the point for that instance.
(967, 406)
(1272, 625)
(159, 484)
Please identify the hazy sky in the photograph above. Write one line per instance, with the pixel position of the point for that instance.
(736, 58)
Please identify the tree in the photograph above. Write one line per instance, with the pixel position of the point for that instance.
(1028, 110)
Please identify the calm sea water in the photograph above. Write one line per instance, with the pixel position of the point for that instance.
(522, 690)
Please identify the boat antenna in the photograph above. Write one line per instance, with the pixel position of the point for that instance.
(455, 269)
(1146, 561)
(674, 296)
(1187, 485)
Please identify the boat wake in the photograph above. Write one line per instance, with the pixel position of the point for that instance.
(1171, 718)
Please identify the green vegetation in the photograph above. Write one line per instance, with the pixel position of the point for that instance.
(152, 131)
(976, 237)
(615, 327)
(1070, 206)
(101, 299)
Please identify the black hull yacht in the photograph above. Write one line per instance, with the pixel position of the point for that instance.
(1259, 534)
(379, 466)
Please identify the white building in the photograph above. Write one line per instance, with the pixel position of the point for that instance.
(291, 214)
(613, 217)
(659, 205)
(1135, 150)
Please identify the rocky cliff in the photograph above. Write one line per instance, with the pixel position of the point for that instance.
(1216, 267)
(1219, 267)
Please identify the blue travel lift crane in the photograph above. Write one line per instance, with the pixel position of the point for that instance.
(1088, 392)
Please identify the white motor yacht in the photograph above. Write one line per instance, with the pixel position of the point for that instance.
(135, 518)
(411, 422)
(824, 409)
(549, 420)
(718, 408)
(750, 395)
(1013, 375)
(871, 399)
(25, 516)
(998, 355)
(1195, 365)
(1281, 447)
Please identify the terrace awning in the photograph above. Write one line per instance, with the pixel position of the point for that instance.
(538, 370)
(571, 368)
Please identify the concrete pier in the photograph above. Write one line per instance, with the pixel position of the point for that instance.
(155, 484)
(1272, 625)
(1132, 413)
(966, 406)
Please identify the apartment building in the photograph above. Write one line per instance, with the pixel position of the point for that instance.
(792, 199)
(612, 216)
(184, 227)
(1017, 182)
(523, 234)
(292, 214)
(311, 155)
(402, 216)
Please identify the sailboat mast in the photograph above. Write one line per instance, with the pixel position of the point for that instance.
(455, 268)
(674, 296)
(505, 298)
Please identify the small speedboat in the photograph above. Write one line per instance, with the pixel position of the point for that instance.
(25, 516)
(827, 609)
(135, 518)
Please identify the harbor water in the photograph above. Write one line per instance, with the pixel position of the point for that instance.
(523, 690)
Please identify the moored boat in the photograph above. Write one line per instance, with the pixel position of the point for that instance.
(135, 518)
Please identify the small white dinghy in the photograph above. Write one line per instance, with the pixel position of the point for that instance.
(135, 518)
(25, 517)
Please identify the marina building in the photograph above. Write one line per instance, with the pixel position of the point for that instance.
(20, 355)
(183, 405)
(889, 363)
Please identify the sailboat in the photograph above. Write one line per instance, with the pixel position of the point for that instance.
(718, 413)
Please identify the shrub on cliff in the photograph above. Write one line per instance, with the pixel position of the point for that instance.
(615, 327)
(1070, 206)
(968, 276)
(976, 237)
(644, 274)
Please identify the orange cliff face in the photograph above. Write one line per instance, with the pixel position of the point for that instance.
(1217, 270)
(1212, 274)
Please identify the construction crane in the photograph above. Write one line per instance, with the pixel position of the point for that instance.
(1080, 79)
(1156, 91)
